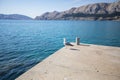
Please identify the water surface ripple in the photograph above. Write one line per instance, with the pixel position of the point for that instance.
(25, 43)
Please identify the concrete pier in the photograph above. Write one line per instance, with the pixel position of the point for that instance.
(78, 62)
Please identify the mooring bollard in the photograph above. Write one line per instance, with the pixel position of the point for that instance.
(77, 41)
(64, 41)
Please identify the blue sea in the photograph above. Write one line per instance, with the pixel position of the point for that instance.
(24, 43)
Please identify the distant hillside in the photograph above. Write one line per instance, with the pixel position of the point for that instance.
(14, 17)
(98, 11)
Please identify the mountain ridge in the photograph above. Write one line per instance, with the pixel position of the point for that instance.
(14, 17)
(97, 11)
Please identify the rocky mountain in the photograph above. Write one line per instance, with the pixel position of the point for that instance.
(14, 17)
(97, 11)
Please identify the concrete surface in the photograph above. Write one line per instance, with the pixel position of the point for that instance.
(82, 62)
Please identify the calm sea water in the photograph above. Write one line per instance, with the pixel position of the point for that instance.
(25, 43)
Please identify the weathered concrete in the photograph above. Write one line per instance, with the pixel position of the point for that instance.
(78, 62)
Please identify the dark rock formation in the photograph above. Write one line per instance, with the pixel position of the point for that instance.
(98, 11)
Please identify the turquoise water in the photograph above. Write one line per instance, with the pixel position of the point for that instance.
(25, 43)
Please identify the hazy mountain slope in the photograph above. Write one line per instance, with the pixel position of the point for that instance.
(14, 17)
(98, 11)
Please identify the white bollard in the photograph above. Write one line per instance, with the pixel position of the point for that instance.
(64, 41)
(77, 41)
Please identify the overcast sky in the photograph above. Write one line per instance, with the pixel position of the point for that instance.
(34, 8)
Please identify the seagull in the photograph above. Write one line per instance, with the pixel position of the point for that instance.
(67, 43)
